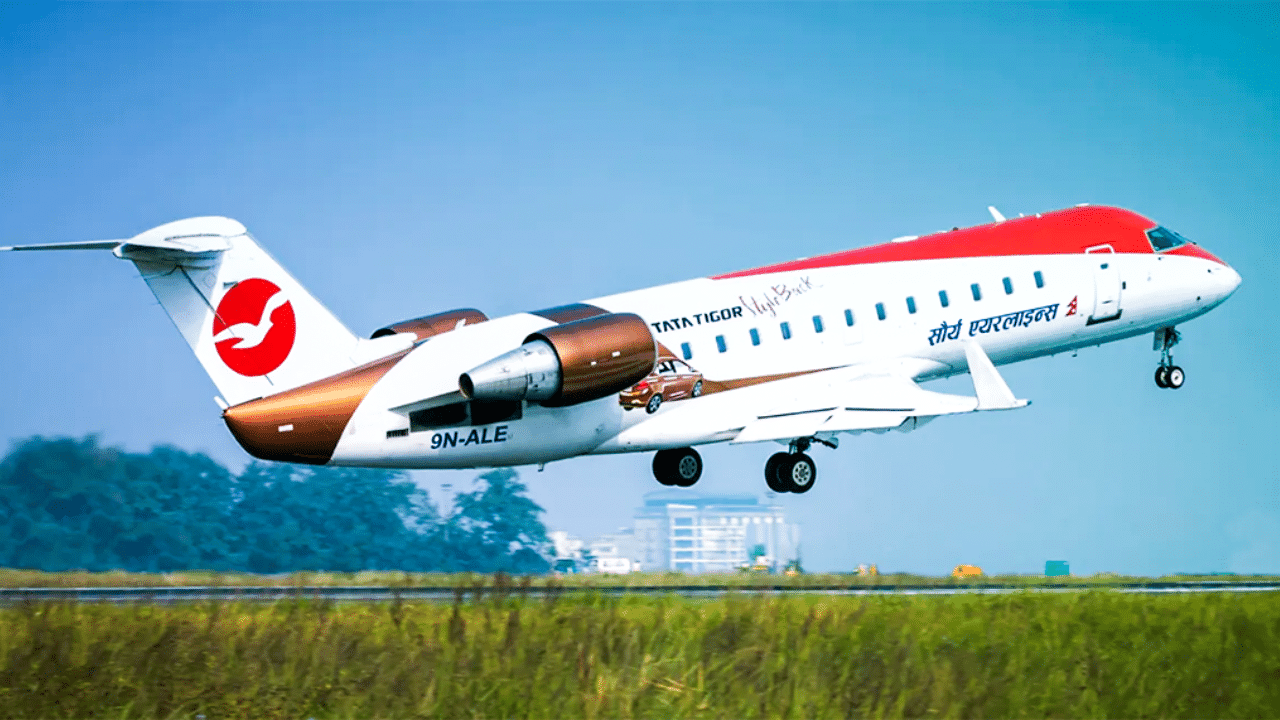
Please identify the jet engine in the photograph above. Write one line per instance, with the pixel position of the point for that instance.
(568, 364)
(425, 327)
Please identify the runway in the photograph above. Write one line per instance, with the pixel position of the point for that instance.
(269, 593)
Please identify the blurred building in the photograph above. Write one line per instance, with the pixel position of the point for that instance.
(688, 532)
(694, 533)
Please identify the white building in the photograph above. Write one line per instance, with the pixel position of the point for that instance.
(693, 533)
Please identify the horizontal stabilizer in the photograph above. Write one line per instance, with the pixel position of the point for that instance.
(89, 245)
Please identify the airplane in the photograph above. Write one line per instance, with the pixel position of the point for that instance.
(796, 353)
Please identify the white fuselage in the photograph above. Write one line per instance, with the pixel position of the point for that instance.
(733, 328)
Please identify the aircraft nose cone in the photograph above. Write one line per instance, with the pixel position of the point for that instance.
(1223, 282)
(1233, 280)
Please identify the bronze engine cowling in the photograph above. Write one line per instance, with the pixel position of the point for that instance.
(425, 327)
(568, 364)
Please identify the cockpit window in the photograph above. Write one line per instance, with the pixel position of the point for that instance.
(1162, 238)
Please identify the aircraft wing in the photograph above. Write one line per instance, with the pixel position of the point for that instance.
(877, 402)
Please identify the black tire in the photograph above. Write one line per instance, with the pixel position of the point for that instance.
(654, 403)
(798, 473)
(697, 389)
(661, 469)
(1175, 378)
(771, 477)
(680, 467)
(1162, 377)
(688, 467)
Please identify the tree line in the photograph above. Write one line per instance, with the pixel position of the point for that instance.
(68, 504)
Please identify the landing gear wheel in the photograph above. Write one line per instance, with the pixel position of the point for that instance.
(697, 389)
(654, 403)
(680, 467)
(798, 473)
(1175, 377)
(771, 477)
(1162, 377)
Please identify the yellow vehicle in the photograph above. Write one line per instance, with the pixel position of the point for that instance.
(964, 571)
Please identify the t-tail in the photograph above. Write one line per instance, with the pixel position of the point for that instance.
(253, 327)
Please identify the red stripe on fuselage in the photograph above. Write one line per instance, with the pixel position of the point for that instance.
(1060, 232)
(1194, 250)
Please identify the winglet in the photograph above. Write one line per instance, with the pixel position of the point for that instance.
(995, 213)
(992, 391)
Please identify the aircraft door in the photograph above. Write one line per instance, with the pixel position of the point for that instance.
(1107, 285)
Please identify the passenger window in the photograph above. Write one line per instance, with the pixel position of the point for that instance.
(817, 323)
(755, 336)
(1008, 286)
(911, 304)
(685, 351)
(942, 298)
(848, 318)
(977, 291)
(720, 343)
(1039, 279)
(786, 330)
(880, 310)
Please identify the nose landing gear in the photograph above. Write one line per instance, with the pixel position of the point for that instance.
(793, 471)
(1168, 375)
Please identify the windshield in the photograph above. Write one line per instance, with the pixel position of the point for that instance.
(1162, 238)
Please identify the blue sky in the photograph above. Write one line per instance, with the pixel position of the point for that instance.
(410, 158)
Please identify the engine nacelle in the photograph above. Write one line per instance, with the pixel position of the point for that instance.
(425, 327)
(568, 364)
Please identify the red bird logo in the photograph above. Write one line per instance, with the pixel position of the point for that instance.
(254, 327)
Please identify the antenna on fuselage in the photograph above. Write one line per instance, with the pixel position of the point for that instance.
(995, 213)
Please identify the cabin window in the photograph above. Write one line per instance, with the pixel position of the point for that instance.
(686, 351)
(786, 330)
(848, 318)
(942, 298)
(755, 336)
(1039, 279)
(817, 323)
(1162, 238)
(911, 304)
(880, 310)
(1008, 286)
(977, 291)
(720, 343)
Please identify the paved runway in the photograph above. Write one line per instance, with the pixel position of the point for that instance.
(165, 595)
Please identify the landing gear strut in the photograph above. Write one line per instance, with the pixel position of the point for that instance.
(1168, 375)
(793, 471)
(680, 467)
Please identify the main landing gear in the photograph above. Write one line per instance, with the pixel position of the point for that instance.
(794, 471)
(680, 467)
(1168, 375)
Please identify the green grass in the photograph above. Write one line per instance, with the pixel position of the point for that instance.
(1088, 654)
(35, 578)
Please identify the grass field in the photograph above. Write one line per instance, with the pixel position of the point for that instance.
(35, 578)
(1088, 654)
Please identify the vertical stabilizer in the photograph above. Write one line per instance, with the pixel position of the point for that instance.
(253, 327)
